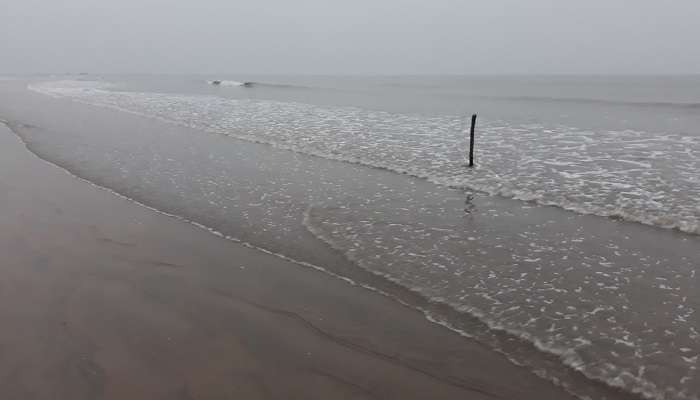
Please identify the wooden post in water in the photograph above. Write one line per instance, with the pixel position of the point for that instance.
(471, 141)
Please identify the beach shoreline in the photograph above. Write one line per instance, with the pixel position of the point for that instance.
(307, 210)
(108, 299)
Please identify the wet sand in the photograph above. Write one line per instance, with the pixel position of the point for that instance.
(103, 298)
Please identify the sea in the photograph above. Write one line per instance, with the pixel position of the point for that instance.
(572, 246)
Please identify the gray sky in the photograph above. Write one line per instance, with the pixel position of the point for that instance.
(351, 36)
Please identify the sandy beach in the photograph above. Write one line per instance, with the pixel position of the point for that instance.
(340, 200)
(103, 298)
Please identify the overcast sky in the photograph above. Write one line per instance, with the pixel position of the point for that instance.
(351, 36)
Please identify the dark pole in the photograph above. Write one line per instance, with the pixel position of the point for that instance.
(471, 142)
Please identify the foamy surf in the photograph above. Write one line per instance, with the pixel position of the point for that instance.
(619, 174)
(540, 284)
(228, 83)
(544, 289)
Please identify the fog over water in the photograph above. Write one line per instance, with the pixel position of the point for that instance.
(335, 134)
(358, 37)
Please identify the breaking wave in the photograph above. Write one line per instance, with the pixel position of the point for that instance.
(254, 84)
(228, 83)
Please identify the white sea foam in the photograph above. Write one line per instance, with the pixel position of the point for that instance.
(639, 176)
(226, 83)
(573, 310)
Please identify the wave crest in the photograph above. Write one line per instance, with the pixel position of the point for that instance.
(228, 83)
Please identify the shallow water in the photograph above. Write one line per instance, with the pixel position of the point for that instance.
(641, 176)
(613, 300)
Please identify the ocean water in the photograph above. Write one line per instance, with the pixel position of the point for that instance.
(576, 236)
(627, 155)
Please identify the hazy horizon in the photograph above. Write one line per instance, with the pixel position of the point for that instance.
(314, 37)
(368, 74)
